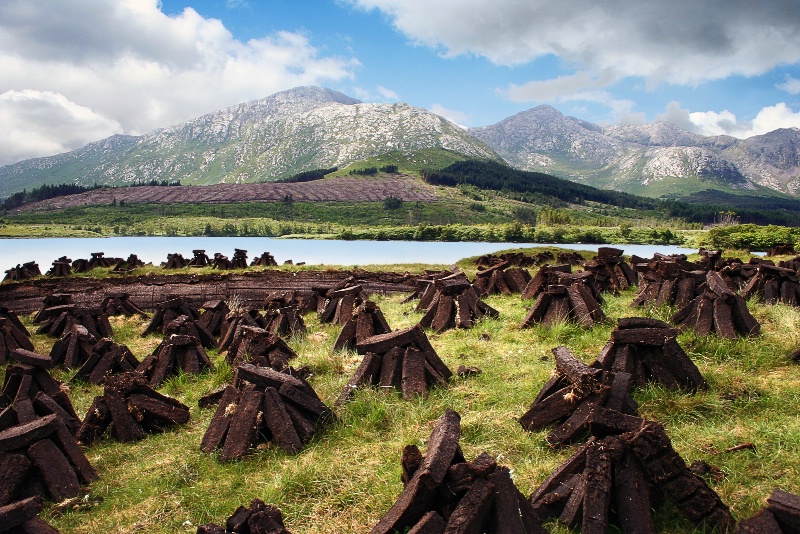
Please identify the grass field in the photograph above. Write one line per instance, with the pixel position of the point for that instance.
(349, 475)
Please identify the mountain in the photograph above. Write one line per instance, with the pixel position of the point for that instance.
(292, 131)
(656, 159)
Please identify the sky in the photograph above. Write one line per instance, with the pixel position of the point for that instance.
(77, 71)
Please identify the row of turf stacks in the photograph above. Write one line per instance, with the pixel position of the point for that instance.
(445, 493)
(264, 405)
(129, 408)
(402, 359)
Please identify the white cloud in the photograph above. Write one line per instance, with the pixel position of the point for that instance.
(791, 85)
(41, 123)
(725, 122)
(387, 94)
(680, 117)
(682, 41)
(457, 117)
(129, 62)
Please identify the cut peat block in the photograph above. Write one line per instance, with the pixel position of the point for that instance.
(580, 399)
(107, 358)
(120, 304)
(21, 517)
(561, 295)
(617, 478)
(772, 284)
(611, 272)
(264, 405)
(454, 304)
(443, 492)
(258, 346)
(780, 516)
(13, 335)
(168, 311)
(29, 392)
(367, 320)
(129, 408)
(402, 359)
(717, 309)
(340, 302)
(41, 458)
(178, 352)
(647, 349)
(258, 518)
(61, 267)
(501, 278)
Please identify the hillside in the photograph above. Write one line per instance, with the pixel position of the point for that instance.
(656, 159)
(289, 132)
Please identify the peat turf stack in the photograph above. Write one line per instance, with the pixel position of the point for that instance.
(517, 259)
(23, 272)
(221, 262)
(178, 352)
(213, 316)
(13, 334)
(772, 284)
(73, 348)
(402, 359)
(264, 405)
(737, 274)
(562, 295)
(454, 304)
(99, 260)
(717, 309)
(175, 261)
(580, 399)
(265, 260)
(501, 278)
(61, 319)
(21, 517)
(647, 349)
(107, 358)
(668, 280)
(258, 518)
(199, 258)
(232, 323)
(626, 473)
(260, 347)
(282, 315)
(127, 265)
(421, 285)
(129, 408)
(780, 516)
(611, 272)
(340, 302)
(445, 493)
(168, 311)
(29, 392)
(366, 321)
(120, 304)
(40, 457)
(184, 325)
(61, 267)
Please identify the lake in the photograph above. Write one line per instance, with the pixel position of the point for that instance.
(313, 252)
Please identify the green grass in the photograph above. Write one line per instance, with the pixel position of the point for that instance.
(349, 475)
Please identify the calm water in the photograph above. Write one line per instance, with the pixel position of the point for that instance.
(155, 249)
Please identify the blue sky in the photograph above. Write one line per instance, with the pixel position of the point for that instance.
(76, 71)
